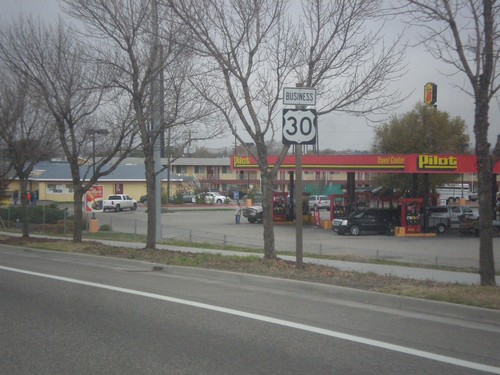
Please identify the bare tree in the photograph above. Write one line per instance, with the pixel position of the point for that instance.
(246, 49)
(26, 129)
(252, 49)
(56, 67)
(140, 48)
(465, 35)
(345, 58)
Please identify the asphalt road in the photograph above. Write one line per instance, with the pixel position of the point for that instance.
(75, 314)
(215, 226)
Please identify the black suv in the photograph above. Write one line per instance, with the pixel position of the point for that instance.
(378, 220)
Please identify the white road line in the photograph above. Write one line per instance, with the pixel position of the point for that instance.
(304, 327)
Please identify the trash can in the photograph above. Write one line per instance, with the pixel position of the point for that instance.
(400, 231)
(326, 224)
(94, 226)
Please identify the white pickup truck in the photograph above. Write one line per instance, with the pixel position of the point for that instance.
(118, 202)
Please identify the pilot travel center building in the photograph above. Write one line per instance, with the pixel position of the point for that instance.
(365, 165)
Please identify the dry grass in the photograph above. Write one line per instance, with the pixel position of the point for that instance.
(486, 297)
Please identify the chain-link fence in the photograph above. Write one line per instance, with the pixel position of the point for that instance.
(54, 219)
(41, 219)
(172, 232)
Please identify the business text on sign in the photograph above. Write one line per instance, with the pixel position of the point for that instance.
(299, 96)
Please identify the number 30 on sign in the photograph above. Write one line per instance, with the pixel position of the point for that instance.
(299, 126)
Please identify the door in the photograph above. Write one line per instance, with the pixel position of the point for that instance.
(118, 188)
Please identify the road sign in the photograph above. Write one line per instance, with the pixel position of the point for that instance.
(299, 126)
(299, 96)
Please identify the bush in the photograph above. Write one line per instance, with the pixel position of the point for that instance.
(105, 228)
(36, 214)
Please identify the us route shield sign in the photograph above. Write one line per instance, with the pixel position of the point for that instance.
(299, 126)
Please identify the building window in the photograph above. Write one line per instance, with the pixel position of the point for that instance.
(59, 189)
(180, 169)
(199, 169)
(54, 188)
(225, 170)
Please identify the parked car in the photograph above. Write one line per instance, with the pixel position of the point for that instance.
(211, 197)
(442, 218)
(473, 196)
(378, 220)
(319, 202)
(144, 199)
(118, 202)
(253, 214)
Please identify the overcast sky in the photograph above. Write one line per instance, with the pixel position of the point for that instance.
(339, 132)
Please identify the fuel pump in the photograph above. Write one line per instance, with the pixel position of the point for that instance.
(411, 218)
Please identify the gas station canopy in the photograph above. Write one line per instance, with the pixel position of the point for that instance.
(387, 163)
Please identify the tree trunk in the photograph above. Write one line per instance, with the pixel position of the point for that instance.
(78, 215)
(25, 208)
(485, 179)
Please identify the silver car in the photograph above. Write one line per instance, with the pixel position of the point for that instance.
(319, 202)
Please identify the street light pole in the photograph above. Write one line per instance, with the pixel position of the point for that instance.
(94, 132)
(462, 146)
(93, 153)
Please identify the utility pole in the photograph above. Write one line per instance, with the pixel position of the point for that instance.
(157, 120)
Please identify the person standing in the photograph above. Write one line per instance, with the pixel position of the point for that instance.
(237, 214)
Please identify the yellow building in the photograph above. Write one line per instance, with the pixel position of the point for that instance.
(51, 181)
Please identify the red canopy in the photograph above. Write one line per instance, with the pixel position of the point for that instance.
(392, 163)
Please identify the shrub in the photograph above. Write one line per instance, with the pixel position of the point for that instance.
(36, 214)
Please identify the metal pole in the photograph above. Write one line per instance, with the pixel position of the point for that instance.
(93, 164)
(462, 186)
(298, 201)
(298, 206)
(157, 120)
(93, 153)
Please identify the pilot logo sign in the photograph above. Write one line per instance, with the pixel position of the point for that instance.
(437, 163)
(299, 126)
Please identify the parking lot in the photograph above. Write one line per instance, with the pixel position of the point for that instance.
(217, 226)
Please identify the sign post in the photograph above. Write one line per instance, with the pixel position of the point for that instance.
(299, 128)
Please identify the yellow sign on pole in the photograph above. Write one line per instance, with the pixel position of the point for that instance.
(430, 93)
